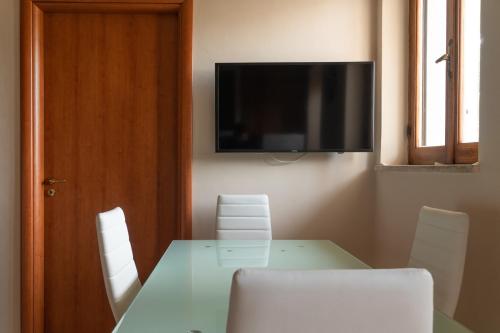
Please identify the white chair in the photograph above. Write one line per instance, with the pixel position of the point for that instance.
(360, 301)
(440, 246)
(118, 266)
(243, 217)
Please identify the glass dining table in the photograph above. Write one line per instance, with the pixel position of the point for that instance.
(188, 291)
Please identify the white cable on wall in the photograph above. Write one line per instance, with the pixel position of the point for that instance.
(273, 160)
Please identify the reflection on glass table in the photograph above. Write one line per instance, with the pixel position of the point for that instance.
(239, 254)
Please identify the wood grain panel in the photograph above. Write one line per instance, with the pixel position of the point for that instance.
(110, 129)
(115, 1)
(108, 7)
(38, 133)
(28, 292)
(185, 135)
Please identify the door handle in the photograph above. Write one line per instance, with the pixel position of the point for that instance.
(448, 58)
(444, 57)
(52, 181)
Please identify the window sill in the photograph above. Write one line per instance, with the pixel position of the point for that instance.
(443, 168)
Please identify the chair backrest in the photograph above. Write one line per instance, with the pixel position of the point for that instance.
(440, 246)
(118, 266)
(243, 217)
(361, 301)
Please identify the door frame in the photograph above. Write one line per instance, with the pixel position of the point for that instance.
(32, 136)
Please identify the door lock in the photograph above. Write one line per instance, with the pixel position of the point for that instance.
(51, 192)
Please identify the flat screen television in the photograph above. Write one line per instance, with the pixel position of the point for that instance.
(294, 107)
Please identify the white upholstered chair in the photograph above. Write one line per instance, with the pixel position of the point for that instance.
(118, 266)
(440, 246)
(361, 301)
(243, 217)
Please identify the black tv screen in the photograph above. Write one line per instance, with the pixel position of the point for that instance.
(294, 107)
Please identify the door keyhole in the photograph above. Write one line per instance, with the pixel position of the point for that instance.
(51, 192)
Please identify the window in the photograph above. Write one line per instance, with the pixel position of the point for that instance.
(443, 100)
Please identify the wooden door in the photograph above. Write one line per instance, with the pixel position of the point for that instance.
(111, 103)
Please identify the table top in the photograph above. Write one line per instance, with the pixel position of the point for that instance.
(189, 288)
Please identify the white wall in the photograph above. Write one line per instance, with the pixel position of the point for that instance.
(392, 81)
(9, 166)
(323, 196)
(400, 196)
